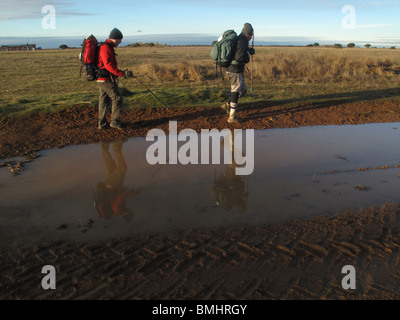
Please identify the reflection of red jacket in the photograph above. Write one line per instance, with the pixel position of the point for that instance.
(118, 202)
(111, 201)
(108, 61)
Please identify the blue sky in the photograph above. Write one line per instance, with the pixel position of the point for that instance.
(376, 22)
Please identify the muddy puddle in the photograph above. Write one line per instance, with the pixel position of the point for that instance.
(108, 190)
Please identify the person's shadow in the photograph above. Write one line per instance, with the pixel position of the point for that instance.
(110, 196)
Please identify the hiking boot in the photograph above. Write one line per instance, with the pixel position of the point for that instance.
(117, 125)
(226, 107)
(234, 120)
(103, 127)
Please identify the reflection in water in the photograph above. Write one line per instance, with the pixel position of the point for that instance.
(229, 190)
(110, 196)
(298, 173)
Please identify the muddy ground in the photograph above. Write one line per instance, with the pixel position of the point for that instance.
(78, 125)
(301, 259)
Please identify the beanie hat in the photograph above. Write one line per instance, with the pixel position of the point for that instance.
(115, 34)
(248, 29)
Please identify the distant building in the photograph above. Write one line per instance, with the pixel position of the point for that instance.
(22, 47)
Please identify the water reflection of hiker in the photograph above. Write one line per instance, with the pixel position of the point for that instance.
(235, 72)
(111, 194)
(229, 190)
(108, 87)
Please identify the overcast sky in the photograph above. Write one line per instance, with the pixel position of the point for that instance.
(322, 20)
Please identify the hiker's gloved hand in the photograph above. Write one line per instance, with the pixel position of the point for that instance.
(252, 51)
(128, 74)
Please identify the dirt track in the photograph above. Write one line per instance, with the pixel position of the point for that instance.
(299, 259)
(77, 125)
(296, 260)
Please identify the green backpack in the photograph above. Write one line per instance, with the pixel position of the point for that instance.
(223, 51)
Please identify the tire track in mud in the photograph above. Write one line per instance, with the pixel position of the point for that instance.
(301, 259)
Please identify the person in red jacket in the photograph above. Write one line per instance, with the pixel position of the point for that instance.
(108, 87)
(111, 195)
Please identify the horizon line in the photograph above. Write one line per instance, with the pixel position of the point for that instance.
(200, 39)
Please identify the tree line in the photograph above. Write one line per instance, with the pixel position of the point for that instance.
(338, 45)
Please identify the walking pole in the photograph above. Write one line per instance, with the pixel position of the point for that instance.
(148, 90)
(252, 66)
(151, 177)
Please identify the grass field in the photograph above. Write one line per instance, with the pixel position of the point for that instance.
(48, 80)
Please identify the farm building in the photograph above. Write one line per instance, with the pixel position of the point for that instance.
(22, 47)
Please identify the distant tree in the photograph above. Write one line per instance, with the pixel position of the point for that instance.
(63, 46)
(351, 45)
(309, 45)
(393, 48)
(338, 45)
(367, 45)
(316, 44)
(144, 44)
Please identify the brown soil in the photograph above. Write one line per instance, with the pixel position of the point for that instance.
(301, 259)
(78, 125)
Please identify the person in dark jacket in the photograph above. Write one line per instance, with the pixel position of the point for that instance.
(230, 190)
(108, 87)
(235, 72)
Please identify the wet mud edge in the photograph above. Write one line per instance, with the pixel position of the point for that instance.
(78, 124)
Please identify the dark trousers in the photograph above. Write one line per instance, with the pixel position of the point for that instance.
(109, 96)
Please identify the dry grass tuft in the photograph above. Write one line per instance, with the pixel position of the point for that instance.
(331, 66)
(181, 71)
(187, 71)
(283, 65)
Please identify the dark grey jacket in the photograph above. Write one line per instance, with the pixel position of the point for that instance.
(241, 56)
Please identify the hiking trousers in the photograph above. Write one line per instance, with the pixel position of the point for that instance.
(115, 168)
(109, 96)
(238, 86)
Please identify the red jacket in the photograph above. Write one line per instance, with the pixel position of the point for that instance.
(108, 61)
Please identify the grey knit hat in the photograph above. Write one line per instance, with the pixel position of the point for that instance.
(116, 34)
(248, 29)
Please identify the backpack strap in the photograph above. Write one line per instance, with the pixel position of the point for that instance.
(218, 63)
(103, 72)
(98, 52)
